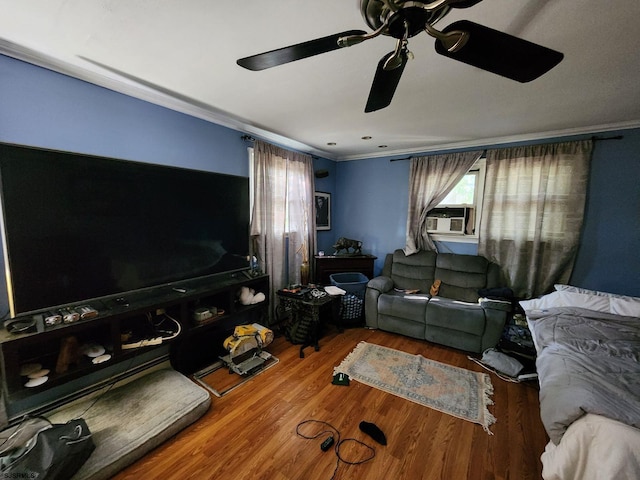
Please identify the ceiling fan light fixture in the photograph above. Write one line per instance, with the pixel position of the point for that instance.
(391, 14)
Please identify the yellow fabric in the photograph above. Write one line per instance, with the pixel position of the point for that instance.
(245, 334)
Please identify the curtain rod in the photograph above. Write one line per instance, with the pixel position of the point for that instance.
(600, 139)
(249, 138)
(400, 159)
(484, 152)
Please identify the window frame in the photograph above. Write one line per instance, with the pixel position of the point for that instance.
(480, 166)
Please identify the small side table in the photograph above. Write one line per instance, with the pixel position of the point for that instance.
(310, 307)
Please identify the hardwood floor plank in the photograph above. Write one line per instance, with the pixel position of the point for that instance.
(250, 433)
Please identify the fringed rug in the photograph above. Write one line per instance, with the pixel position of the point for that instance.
(451, 390)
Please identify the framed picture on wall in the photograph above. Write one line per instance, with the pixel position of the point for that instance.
(323, 210)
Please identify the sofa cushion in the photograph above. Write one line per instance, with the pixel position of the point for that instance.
(396, 304)
(461, 276)
(461, 340)
(403, 326)
(455, 315)
(414, 271)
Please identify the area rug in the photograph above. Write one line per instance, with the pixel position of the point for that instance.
(451, 390)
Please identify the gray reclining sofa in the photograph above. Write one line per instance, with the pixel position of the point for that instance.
(454, 317)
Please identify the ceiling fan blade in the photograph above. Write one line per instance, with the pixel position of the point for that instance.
(292, 53)
(464, 3)
(385, 83)
(500, 53)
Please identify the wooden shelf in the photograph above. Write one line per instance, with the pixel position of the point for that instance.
(115, 318)
(327, 265)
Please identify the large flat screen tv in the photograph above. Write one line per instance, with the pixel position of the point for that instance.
(78, 227)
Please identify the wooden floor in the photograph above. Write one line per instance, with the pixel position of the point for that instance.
(250, 433)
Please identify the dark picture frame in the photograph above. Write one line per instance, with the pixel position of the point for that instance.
(322, 208)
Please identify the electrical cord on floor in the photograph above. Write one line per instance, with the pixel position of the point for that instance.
(330, 429)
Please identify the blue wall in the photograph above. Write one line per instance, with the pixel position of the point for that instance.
(373, 201)
(369, 197)
(328, 185)
(609, 255)
(45, 109)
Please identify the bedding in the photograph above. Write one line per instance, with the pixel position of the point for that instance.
(594, 448)
(588, 362)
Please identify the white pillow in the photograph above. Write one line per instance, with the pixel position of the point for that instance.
(586, 291)
(564, 298)
(619, 304)
(629, 306)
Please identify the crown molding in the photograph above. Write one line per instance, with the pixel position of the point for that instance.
(109, 78)
(497, 141)
(102, 76)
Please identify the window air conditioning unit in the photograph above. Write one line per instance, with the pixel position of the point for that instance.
(445, 225)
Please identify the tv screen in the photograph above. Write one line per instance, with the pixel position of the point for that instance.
(79, 227)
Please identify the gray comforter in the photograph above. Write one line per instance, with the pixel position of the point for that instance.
(588, 362)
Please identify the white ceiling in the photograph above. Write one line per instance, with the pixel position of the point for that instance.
(182, 54)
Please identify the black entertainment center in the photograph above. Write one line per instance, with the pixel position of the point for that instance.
(99, 249)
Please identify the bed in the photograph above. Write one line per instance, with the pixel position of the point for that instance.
(588, 362)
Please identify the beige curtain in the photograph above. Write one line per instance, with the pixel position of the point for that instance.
(534, 201)
(282, 221)
(430, 180)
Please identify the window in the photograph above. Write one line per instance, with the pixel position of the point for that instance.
(464, 193)
(282, 182)
(457, 217)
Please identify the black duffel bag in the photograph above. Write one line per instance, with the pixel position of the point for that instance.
(54, 451)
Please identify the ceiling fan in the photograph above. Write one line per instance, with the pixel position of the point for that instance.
(465, 41)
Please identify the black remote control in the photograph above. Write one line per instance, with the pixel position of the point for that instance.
(326, 445)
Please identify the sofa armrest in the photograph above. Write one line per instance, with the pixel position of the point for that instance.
(495, 320)
(494, 304)
(375, 288)
(382, 284)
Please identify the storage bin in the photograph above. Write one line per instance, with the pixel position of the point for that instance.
(351, 282)
(355, 284)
